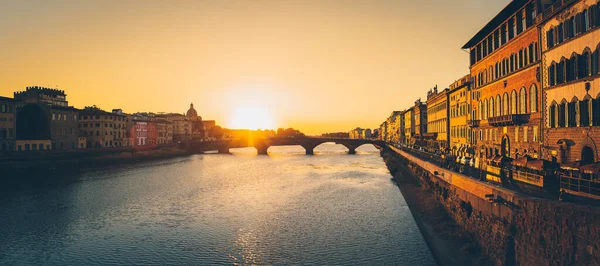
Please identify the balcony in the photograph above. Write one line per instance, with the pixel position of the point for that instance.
(551, 9)
(508, 120)
(473, 123)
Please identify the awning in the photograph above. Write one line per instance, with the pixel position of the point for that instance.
(571, 166)
(541, 165)
(593, 168)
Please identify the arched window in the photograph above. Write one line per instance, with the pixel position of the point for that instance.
(552, 115)
(505, 104)
(583, 66)
(505, 66)
(585, 20)
(560, 33)
(485, 80)
(550, 37)
(595, 59)
(571, 70)
(485, 109)
(498, 106)
(560, 71)
(491, 74)
(512, 63)
(584, 111)
(523, 101)
(513, 103)
(592, 13)
(533, 102)
(479, 108)
(552, 74)
(496, 71)
(491, 107)
(596, 111)
(572, 113)
(533, 52)
(521, 58)
(562, 112)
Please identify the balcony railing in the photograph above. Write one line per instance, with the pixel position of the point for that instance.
(550, 10)
(508, 120)
(473, 123)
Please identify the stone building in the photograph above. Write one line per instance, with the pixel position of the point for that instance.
(383, 131)
(40, 110)
(505, 74)
(459, 109)
(409, 125)
(164, 129)
(356, 133)
(421, 137)
(570, 72)
(570, 47)
(103, 129)
(437, 119)
(7, 124)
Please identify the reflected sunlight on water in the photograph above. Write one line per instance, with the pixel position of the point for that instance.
(285, 208)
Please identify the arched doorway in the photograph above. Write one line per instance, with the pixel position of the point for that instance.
(505, 147)
(587, 155)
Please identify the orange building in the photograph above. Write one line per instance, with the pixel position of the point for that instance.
(506, 117)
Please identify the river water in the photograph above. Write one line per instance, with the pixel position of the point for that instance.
(285, 208)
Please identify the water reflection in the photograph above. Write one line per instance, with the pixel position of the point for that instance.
(285, 208)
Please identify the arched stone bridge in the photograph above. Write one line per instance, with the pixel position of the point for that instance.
(309, 144)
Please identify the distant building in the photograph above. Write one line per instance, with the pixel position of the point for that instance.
(420, 115)
(7, 124)
(437, 119)
(409, 125)
(45, 120)
(103, 129)
(182, 127)
(459, 101)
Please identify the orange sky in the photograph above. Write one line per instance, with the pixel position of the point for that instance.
(316, 65)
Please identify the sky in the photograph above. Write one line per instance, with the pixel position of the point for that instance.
(315, 65)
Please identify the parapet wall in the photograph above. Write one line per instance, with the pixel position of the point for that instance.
(518, 229)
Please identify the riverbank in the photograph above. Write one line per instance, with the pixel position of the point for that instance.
(13, 168)
(449, 243)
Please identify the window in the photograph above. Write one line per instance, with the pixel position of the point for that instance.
(552, 117)
(523, 101)
(533, 103)
(560, 33)
(491, 110)
(596, 112)
(535, 134)
(562, 111)
(516, 134)
(550, 37)
(498, 106)
(525, 132)
(583, 66)
(520, 58)
(560, 72)
(552, 74)
(505, 104)
(584, 112)
(513, 102)
(572, 114)
(571, 68)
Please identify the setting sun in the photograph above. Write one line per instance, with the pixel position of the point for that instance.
(250, 117)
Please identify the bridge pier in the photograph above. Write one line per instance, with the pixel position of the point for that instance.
(262, 150)
(352, 151)
(309, 148)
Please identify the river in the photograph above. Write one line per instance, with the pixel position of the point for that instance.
(285, 208)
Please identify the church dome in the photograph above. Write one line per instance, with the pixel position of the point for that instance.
(191, 113)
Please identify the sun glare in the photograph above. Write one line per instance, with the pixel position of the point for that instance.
(251, 118)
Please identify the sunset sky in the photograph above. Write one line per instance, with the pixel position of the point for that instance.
(316, 65)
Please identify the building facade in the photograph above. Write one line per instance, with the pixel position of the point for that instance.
(421, 137)
(409, 125)
(570, 47)
(437, 119)
(103, 129)
(459, 109)
(7, 124)
(50, 110)
(506, 81)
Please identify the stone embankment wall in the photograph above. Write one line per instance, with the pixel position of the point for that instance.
(514, 229)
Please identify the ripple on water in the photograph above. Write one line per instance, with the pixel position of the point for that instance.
(286, 208)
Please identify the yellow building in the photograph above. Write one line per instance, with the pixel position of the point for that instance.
(409, 125)
(102, 129)
(459, 109)
(437, 119)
